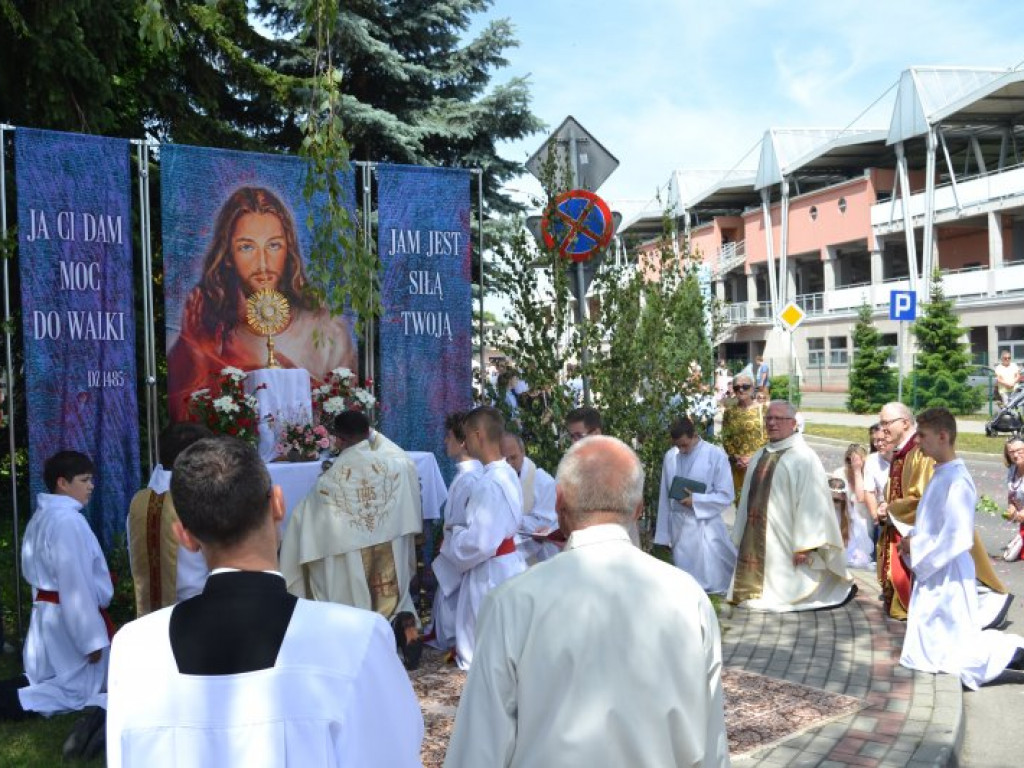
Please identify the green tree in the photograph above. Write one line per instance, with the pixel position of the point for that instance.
(943, 360)
(415, 87)
(872, 380)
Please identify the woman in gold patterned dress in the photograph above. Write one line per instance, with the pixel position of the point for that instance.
(742, 429)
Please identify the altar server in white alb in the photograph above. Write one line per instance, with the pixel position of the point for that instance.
(602, 656)
(692, 525)
(483, 550)
(791, 555)
(942, 627)
(66, 650)
(538, 487)
(246, 673)
(467, 472)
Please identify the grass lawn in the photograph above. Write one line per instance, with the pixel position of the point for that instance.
(964, 442)
(35, 743)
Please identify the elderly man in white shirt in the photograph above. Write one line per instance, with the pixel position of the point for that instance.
(564, 671)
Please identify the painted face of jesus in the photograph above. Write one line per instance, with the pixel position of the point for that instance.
(259, 251)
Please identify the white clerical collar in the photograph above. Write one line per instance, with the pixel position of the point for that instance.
(58, 501)
(225, 569)
(160, 480)
(903, 445)
(495, 464)
(787, 442)
(597, 534)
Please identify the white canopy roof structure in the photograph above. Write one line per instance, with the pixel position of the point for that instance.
(928, 94)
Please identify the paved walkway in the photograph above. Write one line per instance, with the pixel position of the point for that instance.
(909, 718)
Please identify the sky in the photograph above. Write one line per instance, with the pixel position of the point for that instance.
(694, 84)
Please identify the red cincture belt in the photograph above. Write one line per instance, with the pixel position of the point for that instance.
(507, 547)
(49, 596)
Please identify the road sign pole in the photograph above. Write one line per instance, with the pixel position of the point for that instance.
(899, 357)
(581, 280)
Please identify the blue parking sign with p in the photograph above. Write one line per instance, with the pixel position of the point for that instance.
(902, 305)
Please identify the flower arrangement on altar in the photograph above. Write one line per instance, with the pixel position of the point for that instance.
(341, 392)
(302, 442)
(226, 408)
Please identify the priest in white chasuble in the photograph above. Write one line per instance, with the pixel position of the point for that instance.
(691, 523)
(791, 553)
(942, 625)
(538, 487)
(352, 539)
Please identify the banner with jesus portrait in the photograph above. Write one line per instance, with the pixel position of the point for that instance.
(78, 323)
(426, 325)
(235, 223)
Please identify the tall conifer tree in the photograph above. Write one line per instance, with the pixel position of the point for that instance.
(872, 380)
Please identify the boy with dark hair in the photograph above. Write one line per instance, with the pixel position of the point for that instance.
(942, 624)
(65, 652)
(248, 674)
(583, 422)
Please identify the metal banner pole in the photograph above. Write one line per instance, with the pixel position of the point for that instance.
(369, 334)
(9, 363)
(480, 250)
(142, 156)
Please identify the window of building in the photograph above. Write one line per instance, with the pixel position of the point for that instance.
(1011, 338)
(838, 356)
(813, 211)
(890, 340)
(816, 353)
(842, 205)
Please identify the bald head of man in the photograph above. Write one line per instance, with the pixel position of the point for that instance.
(600, 480)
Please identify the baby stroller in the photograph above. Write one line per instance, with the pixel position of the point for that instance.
(1010, 418)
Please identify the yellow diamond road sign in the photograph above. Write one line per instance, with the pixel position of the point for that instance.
(791, 316)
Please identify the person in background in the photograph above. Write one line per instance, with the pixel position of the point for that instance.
(876, 476)
(1013, 454)
(1007, 376)
(742, 429)
(583, 422)
(692, 526)
(860, 547)
(723, 380)
(762, 377)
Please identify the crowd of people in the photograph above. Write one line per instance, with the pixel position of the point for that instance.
(277, 641)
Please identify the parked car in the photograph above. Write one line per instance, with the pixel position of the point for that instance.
(982, 376)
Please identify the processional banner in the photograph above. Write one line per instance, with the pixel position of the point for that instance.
(426, 325)
(75, 265)
(235, 223)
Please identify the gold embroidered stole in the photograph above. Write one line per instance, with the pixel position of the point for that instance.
(750, 563)
(154, 551)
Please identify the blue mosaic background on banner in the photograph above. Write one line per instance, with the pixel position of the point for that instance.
(426, 325)
(196, 182)
(75, 262)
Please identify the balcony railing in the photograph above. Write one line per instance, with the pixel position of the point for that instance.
(811, 303)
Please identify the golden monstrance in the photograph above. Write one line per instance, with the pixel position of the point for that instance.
(267, 312)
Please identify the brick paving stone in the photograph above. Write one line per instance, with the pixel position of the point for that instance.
(875, 750)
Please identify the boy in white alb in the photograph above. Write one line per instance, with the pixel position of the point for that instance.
(483, 550)
(66, 650)
(468, 471)
(942, 628)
